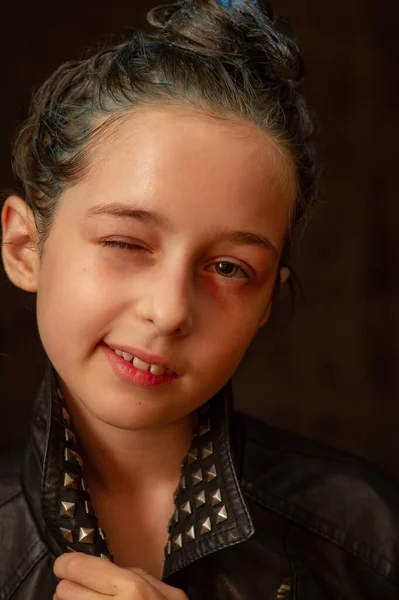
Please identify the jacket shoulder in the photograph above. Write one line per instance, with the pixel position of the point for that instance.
(331, 493)
(21, 544)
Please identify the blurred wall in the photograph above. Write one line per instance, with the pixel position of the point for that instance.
(329, 372)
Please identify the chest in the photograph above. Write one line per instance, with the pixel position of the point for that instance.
(137, 533)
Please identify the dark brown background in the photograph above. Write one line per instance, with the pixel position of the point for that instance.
(331, 373)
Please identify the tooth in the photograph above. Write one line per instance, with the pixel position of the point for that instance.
(157, 370)
(127, 356)
(118, 352)
(140, 364)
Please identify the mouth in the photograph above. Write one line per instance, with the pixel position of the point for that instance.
(144, 361)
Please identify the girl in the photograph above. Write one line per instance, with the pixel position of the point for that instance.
(162, 179)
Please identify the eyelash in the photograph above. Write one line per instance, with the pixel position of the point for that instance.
(132, 247)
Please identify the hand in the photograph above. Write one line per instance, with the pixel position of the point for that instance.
(85, 577)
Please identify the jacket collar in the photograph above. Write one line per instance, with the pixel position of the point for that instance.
(210, 511)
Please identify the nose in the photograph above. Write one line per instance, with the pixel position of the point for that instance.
(166, 302)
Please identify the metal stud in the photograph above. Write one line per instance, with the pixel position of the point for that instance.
(205, 408)
(69, 436)
(221, 514)
(205, 426)
(192, 455)
(169, 547)
(59, 393)
(177, 542)
(207, 450)
(190, 534)
(104, 556)
(72, 457)
(211, 473)
(71, 481)
(200, 499)
(69, 549)
(67, 534)
(66, 415)
(89, 509)
(102, 534)
(205, 526)
(86, 535)
(197, 477)
(67, 509)
(186, 509)
(182, 483)
(216, 497)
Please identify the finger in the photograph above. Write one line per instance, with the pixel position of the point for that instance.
(168, 592)
(68, 590)
(96, 574)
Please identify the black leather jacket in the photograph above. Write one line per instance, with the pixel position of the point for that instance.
(260, 514)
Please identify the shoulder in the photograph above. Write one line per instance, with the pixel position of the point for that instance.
(333, 494)
(21, 544)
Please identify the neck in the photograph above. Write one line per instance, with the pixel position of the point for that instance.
(119, 462)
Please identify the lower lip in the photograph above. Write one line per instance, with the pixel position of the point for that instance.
(128, 372)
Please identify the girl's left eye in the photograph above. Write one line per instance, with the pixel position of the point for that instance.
(121, 244)
(230, 270)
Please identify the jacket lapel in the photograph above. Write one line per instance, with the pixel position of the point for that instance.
(210, 511)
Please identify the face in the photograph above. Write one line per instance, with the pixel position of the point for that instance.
(202, 217)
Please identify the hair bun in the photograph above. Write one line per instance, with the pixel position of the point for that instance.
(246, 31)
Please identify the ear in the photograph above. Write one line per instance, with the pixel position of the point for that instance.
(20, 258)
(284, 276)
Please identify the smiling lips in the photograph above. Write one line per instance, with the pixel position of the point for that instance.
(155, 369)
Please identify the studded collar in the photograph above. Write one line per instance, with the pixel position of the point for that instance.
(210, 511)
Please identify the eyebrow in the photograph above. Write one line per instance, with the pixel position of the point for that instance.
(147, 217)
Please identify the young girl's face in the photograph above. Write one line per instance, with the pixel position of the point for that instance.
(209, 191)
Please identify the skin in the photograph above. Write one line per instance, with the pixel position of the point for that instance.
(203, 175)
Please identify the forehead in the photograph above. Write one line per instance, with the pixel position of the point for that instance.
(184, 160)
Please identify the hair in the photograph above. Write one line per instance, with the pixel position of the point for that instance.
(234, 62)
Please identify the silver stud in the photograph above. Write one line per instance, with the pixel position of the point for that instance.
(59, 393)
(205, 525)
(71, 481)
(197, 477)
(169, 547)
(207, 450)
(86, 535)
(104, 556)
(69, 436)
(72, 457)
(186, 509)
(221, 514)
(102, 534)
(211, 473)
(67, 533)
(204, 409)
(89, 509)
(192, 455)
(182, 483)
(66, 415)
(200, 499)
(85, 487)
(67, 509)
(190, 534)
(216, 497)
(177, 542)
(69, 549)
(205, 426)
(176, 516)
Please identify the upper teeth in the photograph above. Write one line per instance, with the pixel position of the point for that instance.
(140, 364)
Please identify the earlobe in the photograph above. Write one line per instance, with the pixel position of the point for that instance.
(19, 236)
